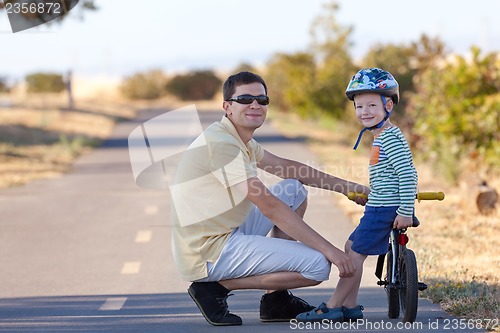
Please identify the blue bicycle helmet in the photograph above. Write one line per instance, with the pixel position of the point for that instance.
(373, 80)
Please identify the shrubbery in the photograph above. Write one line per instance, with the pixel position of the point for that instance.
(456, 110)
(45, 83)
(149, 85)
(197, 85)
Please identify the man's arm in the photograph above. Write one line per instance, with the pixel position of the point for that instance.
(292, 224)
(308, 175)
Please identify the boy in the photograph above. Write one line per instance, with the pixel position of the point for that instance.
(393, 182)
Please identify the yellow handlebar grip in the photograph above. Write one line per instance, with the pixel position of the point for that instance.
(430, 196)
(353, 195)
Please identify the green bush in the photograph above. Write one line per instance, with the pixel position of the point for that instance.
(148, 85)
(456, 110)
(197, 85)
(312, 82)
(45, 83)
(290, 81)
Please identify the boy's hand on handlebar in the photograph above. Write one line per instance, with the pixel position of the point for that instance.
(361, 200)
(402, 222)
(359, 195)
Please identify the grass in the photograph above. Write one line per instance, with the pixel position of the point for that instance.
(40, 139)
(456, 248)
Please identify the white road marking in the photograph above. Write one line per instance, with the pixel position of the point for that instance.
(113, 304)
(151, 210)
(172, 315)
(143, 236)
(131, 267)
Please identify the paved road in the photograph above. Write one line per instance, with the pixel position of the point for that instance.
(90, 252)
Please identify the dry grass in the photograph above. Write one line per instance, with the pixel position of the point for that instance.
(40, 139)
(457, 249)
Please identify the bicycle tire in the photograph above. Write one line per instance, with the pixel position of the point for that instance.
(408, 296)
(392, 291)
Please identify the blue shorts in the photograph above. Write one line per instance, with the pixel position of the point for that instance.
(371, 236)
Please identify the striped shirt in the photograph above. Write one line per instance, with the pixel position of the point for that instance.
(393, 177)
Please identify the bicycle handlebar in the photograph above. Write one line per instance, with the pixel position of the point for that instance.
(419, 196)
(429, 196)
(353, 195)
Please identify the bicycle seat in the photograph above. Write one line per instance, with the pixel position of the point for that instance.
(416, 222)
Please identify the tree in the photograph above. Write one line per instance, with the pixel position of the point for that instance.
(456, 108)
(148, 85)
(397, 59)
(313, 82)
(197, 85)
(4, 87)
(330, 45)
(291, 78)
(426, 52)
(245, 67)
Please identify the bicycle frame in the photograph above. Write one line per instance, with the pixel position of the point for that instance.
(393, 240)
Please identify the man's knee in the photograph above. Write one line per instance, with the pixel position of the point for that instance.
(290, 191)
(319, 269)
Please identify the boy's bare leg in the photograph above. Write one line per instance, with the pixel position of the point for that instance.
(346, 293)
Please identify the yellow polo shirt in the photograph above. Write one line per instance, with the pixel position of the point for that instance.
(206, 207)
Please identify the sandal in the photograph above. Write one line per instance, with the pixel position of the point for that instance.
(333, 315)
(353, 314)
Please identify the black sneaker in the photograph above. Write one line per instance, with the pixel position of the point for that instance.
(211, 299)
(281, 305)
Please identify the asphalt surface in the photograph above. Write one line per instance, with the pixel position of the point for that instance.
(90, 252)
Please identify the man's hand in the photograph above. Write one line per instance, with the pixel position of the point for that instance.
(402, 222)
(343, 262)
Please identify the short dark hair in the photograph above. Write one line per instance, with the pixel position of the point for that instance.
(238, 79)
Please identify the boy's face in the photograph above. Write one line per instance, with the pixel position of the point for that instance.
(370, 109)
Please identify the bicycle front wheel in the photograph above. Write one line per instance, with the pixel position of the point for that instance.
(408, 296)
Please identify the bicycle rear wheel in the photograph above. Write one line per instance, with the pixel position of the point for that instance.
(409, 285)
(392, 291)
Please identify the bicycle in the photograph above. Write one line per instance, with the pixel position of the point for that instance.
(401, 280)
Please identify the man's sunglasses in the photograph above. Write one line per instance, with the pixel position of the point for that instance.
(248, 99)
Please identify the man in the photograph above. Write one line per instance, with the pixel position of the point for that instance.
(223, 212)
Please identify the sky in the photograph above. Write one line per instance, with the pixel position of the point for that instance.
(124, 36)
